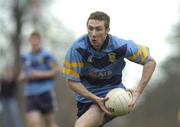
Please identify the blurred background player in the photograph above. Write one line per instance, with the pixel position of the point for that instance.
(39, 70)
(93, 66)
(8, 89)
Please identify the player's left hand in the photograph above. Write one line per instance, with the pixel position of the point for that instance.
(135, 95)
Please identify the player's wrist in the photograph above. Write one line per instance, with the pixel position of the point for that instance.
(138, 90)
(97, 99)
(136, 93)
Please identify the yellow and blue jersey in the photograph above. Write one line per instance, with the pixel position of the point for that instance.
(100, 71)
(42, 61)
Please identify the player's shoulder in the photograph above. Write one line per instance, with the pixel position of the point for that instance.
(44, 52)
(25, 54)
(81, 42)
(117, 41)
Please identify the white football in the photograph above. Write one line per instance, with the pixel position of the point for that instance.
(118, 101)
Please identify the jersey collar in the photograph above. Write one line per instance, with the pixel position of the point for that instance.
(36, 52)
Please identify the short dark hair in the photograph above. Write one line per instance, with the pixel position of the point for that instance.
(101, 16)
(35, 34)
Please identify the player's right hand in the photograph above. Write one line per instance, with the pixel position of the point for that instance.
(101, 103)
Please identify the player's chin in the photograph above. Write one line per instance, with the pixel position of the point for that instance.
(93, 43)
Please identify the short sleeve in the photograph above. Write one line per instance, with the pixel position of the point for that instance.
(137, 53)
(51, 60)
(73, 65)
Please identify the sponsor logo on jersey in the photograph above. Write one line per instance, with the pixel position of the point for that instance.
(100, 74)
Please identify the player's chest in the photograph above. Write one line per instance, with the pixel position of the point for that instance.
(35, 61)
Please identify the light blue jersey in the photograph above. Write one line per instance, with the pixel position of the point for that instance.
(41, 61)
(101, 71)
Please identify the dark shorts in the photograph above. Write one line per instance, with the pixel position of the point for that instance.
(42, 103)
(83, 107)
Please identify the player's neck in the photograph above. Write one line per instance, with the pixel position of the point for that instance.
(35, 51)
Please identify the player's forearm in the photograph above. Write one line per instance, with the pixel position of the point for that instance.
(148, 70)
(43, 74)
(47, 74)
(80, 89)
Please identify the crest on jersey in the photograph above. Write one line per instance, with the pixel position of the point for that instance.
(90, 59)
(41, 61)
(112, 57)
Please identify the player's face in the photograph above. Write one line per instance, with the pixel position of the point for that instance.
(97, 33)
(35, 43)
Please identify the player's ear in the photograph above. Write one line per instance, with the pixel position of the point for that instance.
(107, 30)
